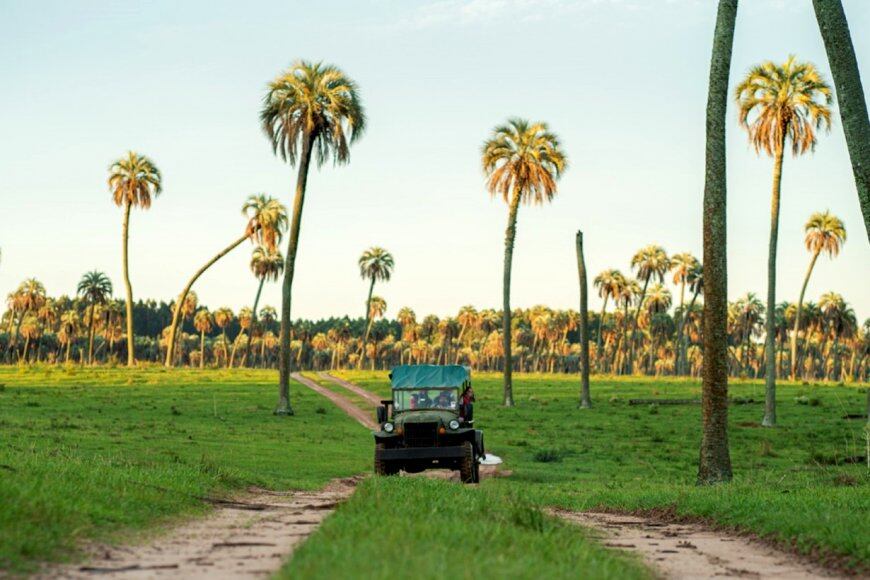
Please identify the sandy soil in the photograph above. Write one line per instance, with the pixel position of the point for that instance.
(692, 551)
(249, 538)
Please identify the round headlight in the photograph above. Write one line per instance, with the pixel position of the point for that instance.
(388, 427)
(454, 424)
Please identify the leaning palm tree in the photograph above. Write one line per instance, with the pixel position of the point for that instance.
(96, 288)
(374, 264)
(202, 322)
(778, 104)
(309, 109)
(522, 162)
(133, 180)
(824, 233)
(714, 463)
(267, 220)
(266, 265)
(850, 95)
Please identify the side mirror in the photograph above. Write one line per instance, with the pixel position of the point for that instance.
(382, 414)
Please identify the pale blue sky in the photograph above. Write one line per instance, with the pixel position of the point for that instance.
(622, 82)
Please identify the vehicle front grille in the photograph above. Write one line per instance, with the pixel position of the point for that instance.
(420, 434)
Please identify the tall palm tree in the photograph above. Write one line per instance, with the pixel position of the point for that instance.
(266, 265)
(27, 299)
(133, 180)
(377, 308)
(374, 264)
(267, 220)
(651, 263)
(96, 288)
(695, 281)
(608, 284)
(824, 233)
(202, 322)
(778, 104)
(310, 108)
(222, 318)
(681, 265)
(850, 96)
(585, 397)
(658, 302)
(69, 325)
(522, 162)
(714, 465)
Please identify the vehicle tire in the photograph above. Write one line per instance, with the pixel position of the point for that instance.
(468, 466)
(383, 467)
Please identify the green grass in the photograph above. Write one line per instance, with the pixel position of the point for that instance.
(108, 453)
(791, 483)
(97, 453)
(422, 528)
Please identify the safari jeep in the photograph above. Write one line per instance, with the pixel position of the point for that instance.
(423, 427)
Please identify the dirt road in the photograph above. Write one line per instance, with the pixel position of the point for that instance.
(249, 539)
(690, 551)
(363, 417)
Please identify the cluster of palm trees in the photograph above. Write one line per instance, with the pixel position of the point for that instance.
(641, 327)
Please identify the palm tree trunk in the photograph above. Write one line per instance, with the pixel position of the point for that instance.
(368, 325)
(634, 327)
(714, 465)
(14, 343)
(232, 360)
(850, 95)
(263, 354)
(585, 397)
(769, 419)
(679, 353)
(202, 348)
(509, 237)
(683, 345)
(284, 407)
(797, 316)
(125, 265)
(26, 348)
(91, 335)
(68, 346)
(176, 315)
(247, 358)
(599, 355)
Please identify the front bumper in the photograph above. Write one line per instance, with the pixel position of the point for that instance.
(405, 453)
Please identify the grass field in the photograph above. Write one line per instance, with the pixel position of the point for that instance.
(95, 453)
(99, 454)
(796, 483)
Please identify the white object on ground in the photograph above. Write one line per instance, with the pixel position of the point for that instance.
(490, 459)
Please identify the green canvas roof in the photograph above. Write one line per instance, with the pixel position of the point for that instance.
(422, 376)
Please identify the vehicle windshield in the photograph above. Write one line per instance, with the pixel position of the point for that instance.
(417, 399)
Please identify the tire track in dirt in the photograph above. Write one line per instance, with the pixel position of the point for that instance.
(363, 417)
(690, 551)
(249, 538)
